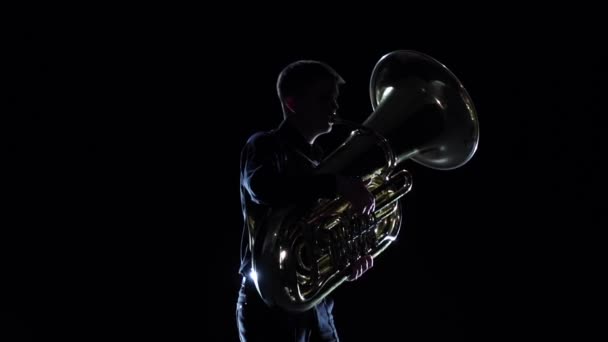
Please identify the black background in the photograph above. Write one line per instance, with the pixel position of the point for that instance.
(122, 140)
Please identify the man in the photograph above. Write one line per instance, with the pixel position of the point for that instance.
(277, 168)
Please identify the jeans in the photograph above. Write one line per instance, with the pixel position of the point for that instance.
(258, 322)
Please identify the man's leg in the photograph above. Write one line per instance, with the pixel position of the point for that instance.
(256, 321)
(326, 331)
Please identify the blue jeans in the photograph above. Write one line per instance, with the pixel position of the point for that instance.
(258, 322)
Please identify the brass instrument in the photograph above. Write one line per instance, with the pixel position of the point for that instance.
(421, 112)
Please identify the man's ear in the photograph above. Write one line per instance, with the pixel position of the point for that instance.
(290, 103)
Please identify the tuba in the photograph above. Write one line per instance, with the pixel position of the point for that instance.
(421, 112)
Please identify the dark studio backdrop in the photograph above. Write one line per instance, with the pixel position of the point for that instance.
(122, 207)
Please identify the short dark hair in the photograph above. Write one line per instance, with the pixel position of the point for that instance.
(301, 74)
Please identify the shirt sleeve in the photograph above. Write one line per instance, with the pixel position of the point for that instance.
(267, 183)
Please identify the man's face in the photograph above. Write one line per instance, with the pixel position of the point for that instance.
(319, 105)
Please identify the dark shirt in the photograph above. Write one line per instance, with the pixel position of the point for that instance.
(277, 169)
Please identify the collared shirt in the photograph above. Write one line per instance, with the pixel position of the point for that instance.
(277, 169)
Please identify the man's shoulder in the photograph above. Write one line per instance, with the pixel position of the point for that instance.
(261, 136)
(263, 139)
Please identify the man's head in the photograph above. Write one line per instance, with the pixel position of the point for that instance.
(309, 89)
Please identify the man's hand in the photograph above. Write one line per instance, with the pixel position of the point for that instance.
(361, 266)
(363, 203)
(355, 191)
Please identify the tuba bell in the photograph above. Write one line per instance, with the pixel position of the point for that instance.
(421, 112)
